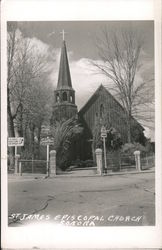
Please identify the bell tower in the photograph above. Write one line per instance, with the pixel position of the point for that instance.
(64, 96)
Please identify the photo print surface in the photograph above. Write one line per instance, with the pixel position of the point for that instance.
(80, 115)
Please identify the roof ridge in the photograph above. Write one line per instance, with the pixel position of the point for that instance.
(103, 87)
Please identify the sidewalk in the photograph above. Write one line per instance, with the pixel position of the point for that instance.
(26, 176)
(77, 173)
(83, 173)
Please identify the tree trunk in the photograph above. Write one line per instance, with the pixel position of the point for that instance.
(129, 129)
(32, 128)
(11, 133)
(20, 121)
(39, 139)
(93, 152)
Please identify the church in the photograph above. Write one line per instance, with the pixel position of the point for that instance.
(101, 109)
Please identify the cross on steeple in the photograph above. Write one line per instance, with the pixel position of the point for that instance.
(63, 34)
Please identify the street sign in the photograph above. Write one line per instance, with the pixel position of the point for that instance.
(103, 132)
(45, 129)
(103, 135)
(47, 141)
(15, 141)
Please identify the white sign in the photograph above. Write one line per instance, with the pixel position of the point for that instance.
(15, 141)
(46, 141)
(103, 135)
(45, 129)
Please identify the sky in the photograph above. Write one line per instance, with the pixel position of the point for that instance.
(80, 40)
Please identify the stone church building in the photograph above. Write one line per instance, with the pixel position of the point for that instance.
(100, 106)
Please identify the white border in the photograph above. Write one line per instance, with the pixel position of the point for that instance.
(79, 10)
(121, 237)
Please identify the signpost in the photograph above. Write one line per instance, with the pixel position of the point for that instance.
(47, 142)
(104, 135)
(16, 142)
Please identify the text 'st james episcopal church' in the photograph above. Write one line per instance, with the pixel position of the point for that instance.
(101, 109)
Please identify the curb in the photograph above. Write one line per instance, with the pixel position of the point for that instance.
(16, 177)
(133, 172)
(104, 175)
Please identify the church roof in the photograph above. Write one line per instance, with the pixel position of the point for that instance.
(64, 78)
(93, 98)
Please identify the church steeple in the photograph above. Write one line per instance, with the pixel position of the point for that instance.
(64, 96)
(64, 78)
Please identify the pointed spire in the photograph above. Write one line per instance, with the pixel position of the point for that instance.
(64, 78)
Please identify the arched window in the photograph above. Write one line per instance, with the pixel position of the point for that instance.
(64, 96)
(57, 97)
(71, 98)
(101, 111)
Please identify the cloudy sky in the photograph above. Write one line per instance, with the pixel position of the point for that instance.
(80, 39)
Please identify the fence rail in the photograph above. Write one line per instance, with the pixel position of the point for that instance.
(32, 166)
(119, 161)
(147, 161)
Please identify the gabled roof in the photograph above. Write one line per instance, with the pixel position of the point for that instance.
(64, 78)
(95, 95)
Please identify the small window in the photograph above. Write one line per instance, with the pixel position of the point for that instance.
(64, 96)
(71, 98)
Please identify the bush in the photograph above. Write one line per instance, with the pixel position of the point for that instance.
(89, 163)
(129, 148)
(65, 133)
(82, 164)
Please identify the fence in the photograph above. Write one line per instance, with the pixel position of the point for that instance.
(117, 161)
(32, 166)
(127, 161)
(147, 161)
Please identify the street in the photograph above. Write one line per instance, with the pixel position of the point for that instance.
(116, 200)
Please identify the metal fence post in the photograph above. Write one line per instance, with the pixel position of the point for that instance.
(147, 160)
(32, 166)
(48, 173)
(17, 157)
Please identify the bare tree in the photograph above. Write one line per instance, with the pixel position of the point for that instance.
(11, 51)
(25, 93)
(37, 111)
(121, 57)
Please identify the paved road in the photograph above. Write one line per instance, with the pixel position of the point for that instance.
(118, 200)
